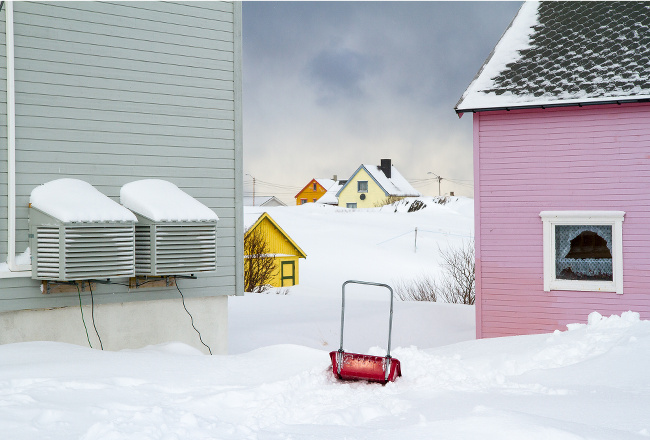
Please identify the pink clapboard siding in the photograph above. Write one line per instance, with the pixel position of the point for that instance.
(573, 158)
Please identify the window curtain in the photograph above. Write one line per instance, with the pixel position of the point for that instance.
(581, 268)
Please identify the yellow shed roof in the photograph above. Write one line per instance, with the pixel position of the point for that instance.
(266, 218)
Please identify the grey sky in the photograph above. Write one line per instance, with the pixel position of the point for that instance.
(331, 85)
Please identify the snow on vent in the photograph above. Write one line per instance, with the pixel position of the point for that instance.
(176, 234)
(73, 200)
(162, 201)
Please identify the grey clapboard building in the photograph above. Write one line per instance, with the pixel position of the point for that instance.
(109, 93)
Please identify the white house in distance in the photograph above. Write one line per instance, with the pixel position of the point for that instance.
(263, 201)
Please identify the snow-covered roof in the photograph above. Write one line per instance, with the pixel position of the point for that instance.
(396, 185)
(73, 200)
(161, 201)
(566, 53)
(325, 183)
(330, 198)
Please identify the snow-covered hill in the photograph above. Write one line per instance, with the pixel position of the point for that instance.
(378, 245)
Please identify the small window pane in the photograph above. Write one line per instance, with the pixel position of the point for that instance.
(362, 186)
(350, 205)
(583, 252)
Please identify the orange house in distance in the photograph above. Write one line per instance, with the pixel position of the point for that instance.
(313, 191)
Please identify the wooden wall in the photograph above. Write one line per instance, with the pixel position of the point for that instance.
(115, 92)
(574, 158)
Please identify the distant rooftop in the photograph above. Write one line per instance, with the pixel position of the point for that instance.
(263, 201)
(566, 53)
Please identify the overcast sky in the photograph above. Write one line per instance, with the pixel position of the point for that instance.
(329, 86)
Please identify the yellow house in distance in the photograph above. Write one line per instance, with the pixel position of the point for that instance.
(282, 249)
(313, 191)
(370, 185)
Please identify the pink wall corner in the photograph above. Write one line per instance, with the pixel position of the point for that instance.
(477, 222)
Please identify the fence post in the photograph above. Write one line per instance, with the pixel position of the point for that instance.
(416, 240)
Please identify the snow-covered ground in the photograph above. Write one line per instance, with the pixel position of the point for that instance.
(589, 382)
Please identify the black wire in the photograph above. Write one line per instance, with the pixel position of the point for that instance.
(191, 318)
(82, 315)
(92, 312)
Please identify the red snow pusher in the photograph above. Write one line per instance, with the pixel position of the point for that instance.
(353, 366)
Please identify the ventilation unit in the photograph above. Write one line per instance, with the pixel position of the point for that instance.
(175, 235)
(77, 233)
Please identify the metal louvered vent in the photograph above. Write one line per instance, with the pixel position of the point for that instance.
(176, 234)
(71, 251)
(99, 251)
(84, 251)
(142, 249)
(47, 252)
(174, 248)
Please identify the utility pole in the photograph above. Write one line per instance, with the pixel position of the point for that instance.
(253, 187)
(439, 179)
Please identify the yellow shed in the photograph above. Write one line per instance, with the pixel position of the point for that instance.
(284, 251)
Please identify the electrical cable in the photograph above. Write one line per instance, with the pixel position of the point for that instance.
(82, 315)
(191, 318)
(92, 313)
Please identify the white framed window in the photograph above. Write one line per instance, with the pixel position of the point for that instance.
(362, 186)
(583, 250)
(303, 201)
(351, 205)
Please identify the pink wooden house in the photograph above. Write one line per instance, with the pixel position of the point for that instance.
(561, 114)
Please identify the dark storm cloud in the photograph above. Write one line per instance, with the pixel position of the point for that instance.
(389, 73)
(341, 72)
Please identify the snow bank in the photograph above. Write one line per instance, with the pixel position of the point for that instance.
(587, 383)
(160, 201)
(73, 200)
(596, 321)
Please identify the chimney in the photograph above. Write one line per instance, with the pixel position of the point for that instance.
(385, 167)
(334, 178)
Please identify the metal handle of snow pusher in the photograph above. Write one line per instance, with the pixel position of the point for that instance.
(390, 319)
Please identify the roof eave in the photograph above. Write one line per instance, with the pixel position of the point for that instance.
(552, 105)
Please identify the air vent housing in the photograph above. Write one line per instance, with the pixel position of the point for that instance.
(80, 251)
(175, 234)
(77, 233)
(174, 248)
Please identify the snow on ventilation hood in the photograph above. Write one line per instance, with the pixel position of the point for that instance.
(73, 200)
(162, 201)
